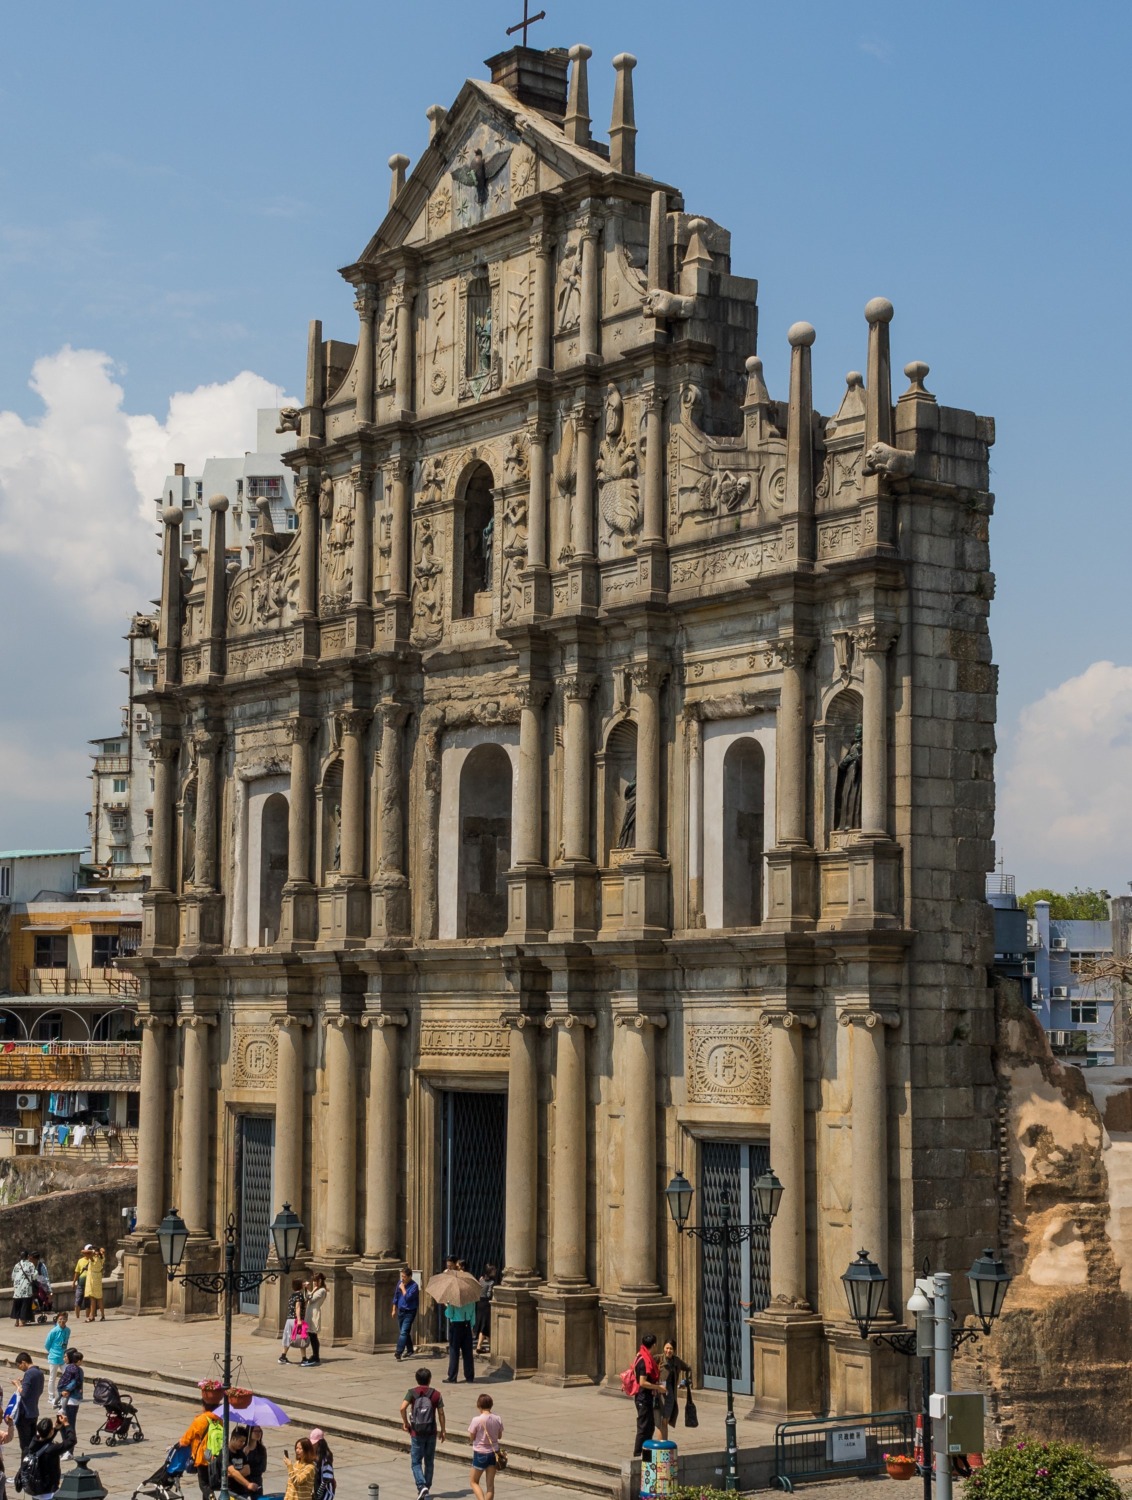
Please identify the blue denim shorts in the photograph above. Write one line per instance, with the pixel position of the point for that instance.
(483, 1460)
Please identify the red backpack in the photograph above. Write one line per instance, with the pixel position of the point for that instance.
(629, 1383)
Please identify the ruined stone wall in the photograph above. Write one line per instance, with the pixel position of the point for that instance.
(1057, 1365)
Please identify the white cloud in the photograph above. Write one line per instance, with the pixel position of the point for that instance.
(1065, 794)
(78, 556)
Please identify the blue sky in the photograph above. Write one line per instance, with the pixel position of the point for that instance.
(180, 184)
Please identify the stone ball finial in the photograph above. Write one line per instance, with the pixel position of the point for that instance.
(801, 335)
(262, 504)
(624, 60)
(436, 115)
(579, 52)
(917, 371)
(172, 515)
(879, 310)
(218, 502)
(854, 380)
(397, 160)
(754, 365)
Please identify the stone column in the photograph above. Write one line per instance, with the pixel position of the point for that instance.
(567, 1333)
(426, 866)
(361, 583)
(528, 821)
(352, 862)
(543, 310)
(794, 654)
(514, 1318)
(390, 883)
(365, 302)
(299, 850)
(306, 500)
(216, 591)
(402, 295)
(196, 1122)
(151, 1124)
(623, 127)
(383, 1110)
(652, 530)
(537, 434)
(589, 332)
(694, 726)
(870, 1129)
(648, 677)
(873, 642)
(582, 530)
(638, 1136)
(788, 1336)
(399, 530)
(207, 747)
(341, 1138)
(577, 688)
(568, 1161)
(170, 617)
(165, 753)
(289, 1111)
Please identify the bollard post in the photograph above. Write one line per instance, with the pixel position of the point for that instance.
(375, 1492)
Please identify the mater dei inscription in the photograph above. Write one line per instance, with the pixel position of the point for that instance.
(728, 1065)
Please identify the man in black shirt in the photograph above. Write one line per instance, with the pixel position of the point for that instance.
(31, 1389)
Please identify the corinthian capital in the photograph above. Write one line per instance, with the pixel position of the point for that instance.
(532, 694)
(649, 675)
(794, 650)
(352, 720)
(578, 685)
(365, 299)
(301, 729)
(876, 636)
(165, 748)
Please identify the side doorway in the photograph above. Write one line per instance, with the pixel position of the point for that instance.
(732, 1167)
(255, 1175)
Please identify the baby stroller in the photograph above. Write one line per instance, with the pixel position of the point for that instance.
(42, 1299)
(166, 1483)
(122, 1422)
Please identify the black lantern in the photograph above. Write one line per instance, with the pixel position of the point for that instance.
(768, 1195)
(679, 1194)
(81, 1483)
(864, 1284)
(286, 1232)
(172, 1237)
(988, 1279)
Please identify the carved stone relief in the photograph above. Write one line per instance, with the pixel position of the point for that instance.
(619, 496)
(387, 346)
(519, 325)
(267, 596)
(427, 605)
(728, 1065)
(254, 1057)
(438, 339)
(481, 174)
(478, 337)
(569, 298)
(514, 554)
(337, 512)
(712, 479)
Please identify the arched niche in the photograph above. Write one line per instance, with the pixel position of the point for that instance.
(744, 833)
(839, 759)
(485, 842)
(272, 866)
(330, 799)
(477, 547)
(189, 835)
(620, 787)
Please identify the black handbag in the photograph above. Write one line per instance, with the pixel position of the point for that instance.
(691, 1416)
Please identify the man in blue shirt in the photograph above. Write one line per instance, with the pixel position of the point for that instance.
(460, 1321)
(406, 1302)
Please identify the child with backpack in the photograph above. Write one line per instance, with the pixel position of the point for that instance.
(422, 1417)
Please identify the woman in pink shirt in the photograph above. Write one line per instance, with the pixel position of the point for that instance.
(485, 1431)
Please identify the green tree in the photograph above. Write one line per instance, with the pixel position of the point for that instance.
(1076, 906)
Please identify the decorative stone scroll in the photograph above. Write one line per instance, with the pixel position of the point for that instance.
(728, 1065)
(255, 1055)
(468, 1039)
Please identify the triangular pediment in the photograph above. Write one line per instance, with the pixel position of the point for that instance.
(451, 187)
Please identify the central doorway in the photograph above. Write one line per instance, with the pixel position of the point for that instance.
(735, 1168)
(473, 1173)
(255, 1171)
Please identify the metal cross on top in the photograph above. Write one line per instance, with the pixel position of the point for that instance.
(525, 22)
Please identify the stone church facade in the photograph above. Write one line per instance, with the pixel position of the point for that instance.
(599, 784)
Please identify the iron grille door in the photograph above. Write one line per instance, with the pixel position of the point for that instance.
(732, 1167)
(257, 1162)
(473, 1177)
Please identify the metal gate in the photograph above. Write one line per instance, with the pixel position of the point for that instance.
(255, 1173)
(473, 1177)
(734, 1168)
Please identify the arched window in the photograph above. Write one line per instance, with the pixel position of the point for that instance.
(479, 538)
(331, 820)
(49, 1027)
(744, 769)
(272, 867)
(477, 347)
(485, 842)
(621, 788)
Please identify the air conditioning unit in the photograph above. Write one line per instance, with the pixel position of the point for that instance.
(27, 1101)
(25, 1137)
(1058, 945)
(1060, 1038)
(1060, 992)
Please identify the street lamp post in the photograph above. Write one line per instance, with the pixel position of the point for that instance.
(936, 1334)
(173, 1236)
(768, 1195)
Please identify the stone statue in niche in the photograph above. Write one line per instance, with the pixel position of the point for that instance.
(514, 554)
(432, 480)
(847, 791)
(618, 491)
(426, 590)
(627, 835)
(338, 563)
(387, 348)
(570, 291)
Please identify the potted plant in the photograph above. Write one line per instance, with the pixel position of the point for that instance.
(900, 1465)
(1027, 1470)
(238, 1398)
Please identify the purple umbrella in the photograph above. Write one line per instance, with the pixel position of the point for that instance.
(260, 1412)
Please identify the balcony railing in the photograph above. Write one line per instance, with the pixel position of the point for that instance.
(100, 981)
(55, 1064)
